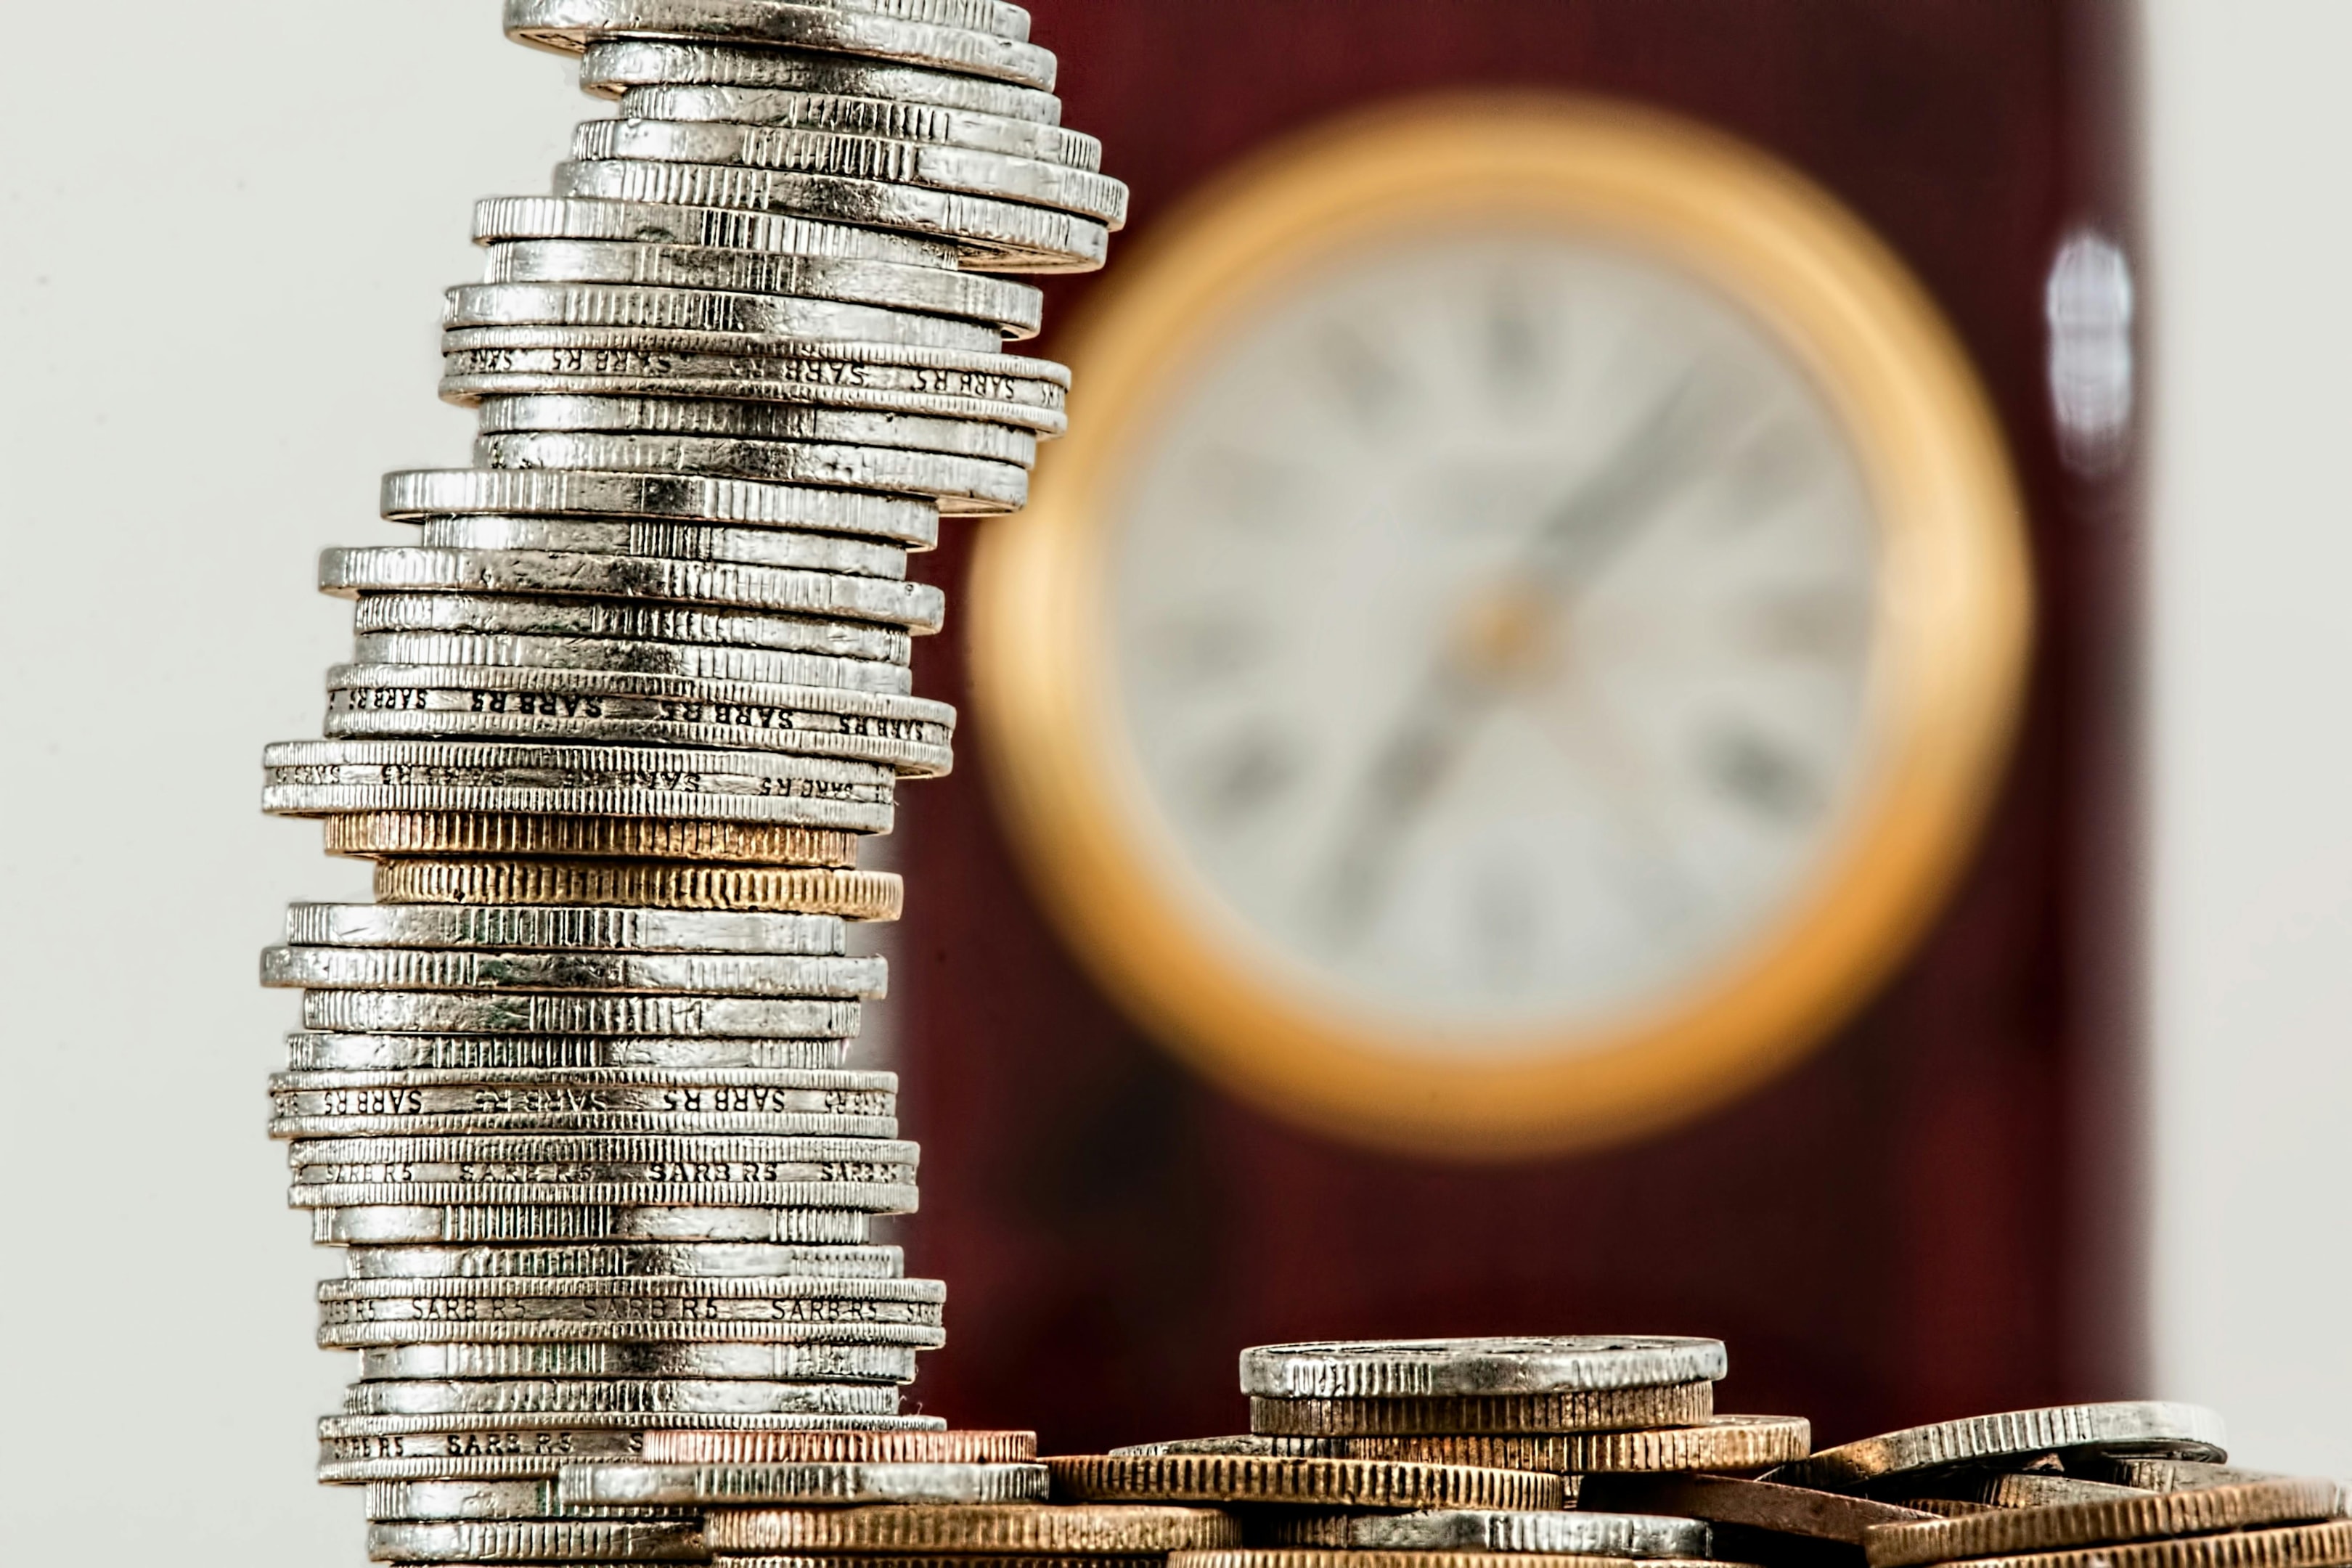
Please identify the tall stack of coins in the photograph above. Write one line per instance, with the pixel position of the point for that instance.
(574, 1091)
(1572, 1406)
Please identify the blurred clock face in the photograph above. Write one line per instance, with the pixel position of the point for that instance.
(1493, 627)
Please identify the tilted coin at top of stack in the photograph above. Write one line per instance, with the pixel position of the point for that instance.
(577, 1091)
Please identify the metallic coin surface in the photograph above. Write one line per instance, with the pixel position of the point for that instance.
(1418, 1369)
(546, 1397)
(610, 69)
(497, 1222)
(2145, 1428)
(988, 1528)
(1574, 1410)
(961, 1447)
(1298, 1482)
(2145, 1516)
(571, 26)
(1748, 1505)
(1329, 1557)
(411, 495)
(536, 1541)
(562, 927)
(554, 1053)
(849, 895)
(1720, 1442)
(754, 1362)
(1573, 1532)
(811, 1484)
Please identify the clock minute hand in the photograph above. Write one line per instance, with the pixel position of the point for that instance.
(1472, 669)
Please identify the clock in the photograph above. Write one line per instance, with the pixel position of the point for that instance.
(1522, 635)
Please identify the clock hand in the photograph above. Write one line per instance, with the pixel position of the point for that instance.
(1473, 667)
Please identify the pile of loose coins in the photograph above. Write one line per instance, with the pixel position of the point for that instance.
(575, 1092)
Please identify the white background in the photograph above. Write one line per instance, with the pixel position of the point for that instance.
(224, 229)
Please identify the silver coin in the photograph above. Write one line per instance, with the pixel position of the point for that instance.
(632, 307)
(496, 1222)
(911, 734)
(618, 1364)
(800, 1485)
(710, 365)
(419, 493)
(501, 1454)
(970, 170)
(291, 1123)
(611, 621)
(468, 969)
(349, 1324)
(888, 1299)
(536, 1541)
(564, 927)
(1393, 1369)
(727, 230)
(749, 420)
(998, 236)
(962, 486)
(524, 1053)
(539, 1013)
(578, 24)
(479, 1499)
(2154, 1428)
(394, 569)
(599, 1186)
(710, 1259)
(689, 661)
(434, 1093)
(1012, 309)
(570, 25)
(544, 1396)
(612, 68)
(1566, 1533)
(896, 118)
(672, 541)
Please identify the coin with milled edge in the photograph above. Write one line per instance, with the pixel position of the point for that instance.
(548, 1013)
(468, 969)
(481, 1499)
(1002, 176)
(715, 1397)
(851, 895)
(673, 540)
(634, 307)
(2004, 1488)
(1720, 1442)
(397, 1221)
(1298, 1482)
(2131, 1516)
(459, 833)
(401, 569)
(814, 1484)
(656, 626)
(504, 220)
(753, 420)
(961, 1447)
(988, 1528)
(570, 927)
(1570, 1531)
(417, 493)
(1417, 1368)
(1329, 1557)
(1572, 1410)
(2149, 1427)
(570, 25)
(864, 116)
(754, 1362)
(2166, 1475)
(2296, 1546)
(536, 1541)
(691, 1259)
(523, 1053)
(1012, 309)
(610, 69)
(688, 661)
(961, 486)
(1001, 235)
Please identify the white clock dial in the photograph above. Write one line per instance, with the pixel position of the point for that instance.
(1493, 623)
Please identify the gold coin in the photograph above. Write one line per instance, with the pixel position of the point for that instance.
(2301, 1546)
(2143, 1516)
(1298, 1482)
(989, 1529)
(1720, 1442)
(1601, 1410)
(950, 1447)
(374, 833)
(642, 884)
(1330, 1557)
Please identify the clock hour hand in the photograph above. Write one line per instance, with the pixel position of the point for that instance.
(1474, 667)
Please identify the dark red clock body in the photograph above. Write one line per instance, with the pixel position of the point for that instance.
(1933, 1215)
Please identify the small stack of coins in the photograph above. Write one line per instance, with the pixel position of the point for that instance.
(945, 1500)
(573, 1091)
(1572, 1406)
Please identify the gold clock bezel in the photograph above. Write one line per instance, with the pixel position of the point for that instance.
(1952, 622)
